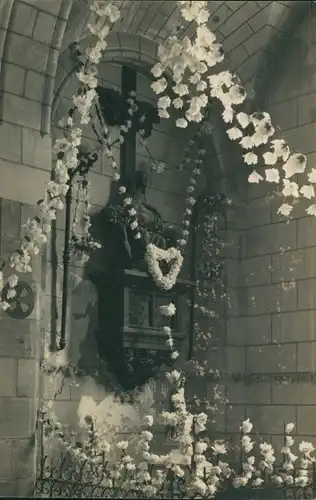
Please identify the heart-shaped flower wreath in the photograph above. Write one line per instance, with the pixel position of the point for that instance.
(172, 256)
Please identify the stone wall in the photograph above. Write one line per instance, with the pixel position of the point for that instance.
(271, 331)
(20, 357)
(166, 192)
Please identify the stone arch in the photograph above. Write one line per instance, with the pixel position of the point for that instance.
(128, 48)
(33, 33)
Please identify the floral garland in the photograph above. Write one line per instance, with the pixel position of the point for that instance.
(85, 243)
(191, 60)
(172, 256)
(66, 150)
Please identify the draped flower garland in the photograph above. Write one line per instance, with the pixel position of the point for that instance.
(191, 62)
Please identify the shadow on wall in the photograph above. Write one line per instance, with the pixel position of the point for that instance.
(84, 322)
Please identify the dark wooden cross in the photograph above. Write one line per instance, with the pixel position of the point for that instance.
(128, 148)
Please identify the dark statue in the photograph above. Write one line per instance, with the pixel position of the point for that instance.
(152, 228)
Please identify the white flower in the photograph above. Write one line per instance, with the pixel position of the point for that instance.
(13, 280)
(200, 447)
(178, 103)
(178, 471)
(234, 133)
(122, 189)
(250, 158)
(219, 448)
(99, 30)
(181, 123)
(301, 481)
(289, 428)
(311, 210)
(308, 191)
(201, 86)
(312, 175)
(182, 242)
(246, 142)
(133, 225)
(164, 102)
(157, 70)
(257, 482)
(243, 119)
(304, 463)
(277, 480)
(296, 164)
(170, 342)
(228, 115)
(288, 479)
(173, 377)
(246, 443)
(103, 8)
(246, 426)
(270, 158)
(162, 113)
(285, 209)
(194, 79)
(88, 79)
(174, 355)
(146, 435)
(289, 441)
(288, 465)
(194, 11)
(180, 89)
(254, 177)
(132, 212)
(127, 201)
(11, 294)
(148, 420)
(159, 86)
(290, 189)
(306, 447)
(240, 481)
(122, 445)
(280, 148)
(272, 175)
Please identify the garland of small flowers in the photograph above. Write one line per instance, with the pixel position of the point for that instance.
(85, 243)
(172, 255)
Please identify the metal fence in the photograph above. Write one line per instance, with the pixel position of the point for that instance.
(62, 477)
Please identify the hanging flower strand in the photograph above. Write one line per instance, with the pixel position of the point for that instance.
(192, 60)
(66, 151)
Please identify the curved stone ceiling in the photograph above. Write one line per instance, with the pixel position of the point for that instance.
(245, 28)
(251, 32)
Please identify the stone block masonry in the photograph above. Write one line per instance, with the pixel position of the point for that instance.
(19, 368)
(278, 275)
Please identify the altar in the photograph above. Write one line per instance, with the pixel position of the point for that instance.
(130, 334)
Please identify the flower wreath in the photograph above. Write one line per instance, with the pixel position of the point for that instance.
(172, 256)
